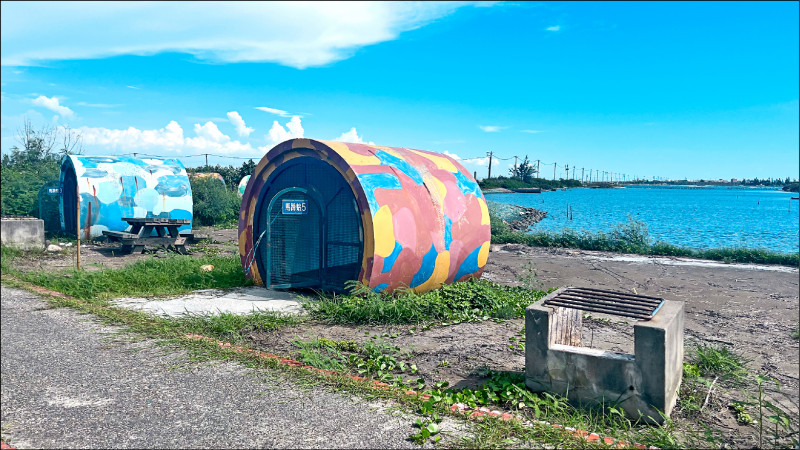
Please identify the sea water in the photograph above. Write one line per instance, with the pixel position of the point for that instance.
(686, 216)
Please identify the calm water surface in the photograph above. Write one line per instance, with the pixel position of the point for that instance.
(696, 217)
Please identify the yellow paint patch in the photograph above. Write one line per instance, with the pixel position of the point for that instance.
(352, 158)
(268, 172)
(242, 251)
(484, 212)
(384, 232)
(440, 161)
(437, 189)
(483, 254)
(251, 213)
(302, 143)
(441, 270)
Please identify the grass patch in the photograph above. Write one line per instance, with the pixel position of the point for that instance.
(471, 300)
(720, 362)
(633, 237)
(173, 275)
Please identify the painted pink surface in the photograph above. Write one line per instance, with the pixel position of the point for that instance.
(424, 218)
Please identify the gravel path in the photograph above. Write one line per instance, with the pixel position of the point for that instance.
(69, 381)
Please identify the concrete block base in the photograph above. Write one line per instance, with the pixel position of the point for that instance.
(645, 385)
(22, 233)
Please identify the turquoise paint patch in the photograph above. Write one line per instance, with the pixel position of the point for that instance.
(173, 186)
(448, 236)
(91, 162)
(109, 191)
(426, 269)
(466, 185)
(401, 164)
(389, 261)
(112, 215)
(372, 181)
(147, 198)
(156, 167)
(86, 200)
(470, 264)
(380, 287)
(181, 214)
(131, 185)
(94, 173)
(175, 163)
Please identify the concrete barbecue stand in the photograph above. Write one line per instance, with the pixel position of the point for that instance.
(645, 385)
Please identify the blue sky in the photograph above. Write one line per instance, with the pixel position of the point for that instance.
(672, 90)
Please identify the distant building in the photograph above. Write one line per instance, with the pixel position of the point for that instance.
(734, 180)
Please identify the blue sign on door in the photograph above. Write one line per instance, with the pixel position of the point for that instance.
(295, 207)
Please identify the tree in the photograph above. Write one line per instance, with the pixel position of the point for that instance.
(523, 172)
(32, 164)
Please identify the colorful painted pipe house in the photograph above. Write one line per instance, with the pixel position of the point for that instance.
(112, 187)
(319, 213)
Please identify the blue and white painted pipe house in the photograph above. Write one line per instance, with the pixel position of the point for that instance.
(112, 187)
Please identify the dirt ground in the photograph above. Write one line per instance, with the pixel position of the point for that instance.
(752, 310)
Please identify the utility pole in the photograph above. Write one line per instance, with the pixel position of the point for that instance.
(537, 169)
(581, 174)
(590, 175)
(490, 163)
(566, 167)
(206, 158)
(554, 171)
(515, 166)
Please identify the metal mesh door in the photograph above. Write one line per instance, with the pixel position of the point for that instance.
(343, 239)
(294, 243)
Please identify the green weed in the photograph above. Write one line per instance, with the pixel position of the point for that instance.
(146, 278)
(469, 301)
(720, 362)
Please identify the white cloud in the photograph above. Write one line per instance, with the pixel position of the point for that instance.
(296, 34)
(52, 105)
(452, 155)
(170, 138)
(238, 122)
(491, 128)
(531, 131)
(353, 137)
(210, 132)
(278, 112)
(294, 129)
(553, 28)
(484, 161)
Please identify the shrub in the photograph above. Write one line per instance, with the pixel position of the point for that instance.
(213, 203)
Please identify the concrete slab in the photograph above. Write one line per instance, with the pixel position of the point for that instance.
(214, 301)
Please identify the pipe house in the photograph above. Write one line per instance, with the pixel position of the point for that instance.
(112, 187)
(316, 214)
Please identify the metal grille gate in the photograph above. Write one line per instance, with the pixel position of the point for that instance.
(321, 248)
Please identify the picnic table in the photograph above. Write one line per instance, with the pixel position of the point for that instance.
(141, 234)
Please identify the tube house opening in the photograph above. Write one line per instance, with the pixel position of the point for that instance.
(109, 188)
(316, 214)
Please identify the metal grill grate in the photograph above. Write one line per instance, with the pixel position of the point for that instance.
(607, 302)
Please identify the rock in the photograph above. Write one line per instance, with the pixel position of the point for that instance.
(53, 248)
(207, 268)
